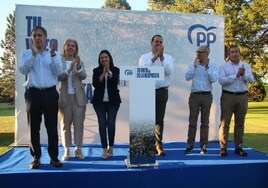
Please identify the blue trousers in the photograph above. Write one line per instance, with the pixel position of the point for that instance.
(106, 114)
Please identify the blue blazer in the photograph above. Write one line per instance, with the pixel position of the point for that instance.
(112, 86)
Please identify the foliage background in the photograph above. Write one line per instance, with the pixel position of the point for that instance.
(246, 25)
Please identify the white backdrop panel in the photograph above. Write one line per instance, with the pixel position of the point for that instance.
(127, 35)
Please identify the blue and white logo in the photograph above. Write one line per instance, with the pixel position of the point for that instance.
(128, 72)
(203, 35)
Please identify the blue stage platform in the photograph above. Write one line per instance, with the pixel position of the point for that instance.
(174, 170)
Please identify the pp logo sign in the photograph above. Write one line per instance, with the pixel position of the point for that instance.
(203, 35)
(128, 72)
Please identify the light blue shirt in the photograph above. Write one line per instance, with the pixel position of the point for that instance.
(201, 77)
(167, 63)
(42, 71)
(228, 79)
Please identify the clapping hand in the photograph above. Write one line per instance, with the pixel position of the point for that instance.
(160, 52)
(106, 69)
(241, 71)
(53, 46)
(206, 62)
(76, 60)
(196, 62)
(33, 47)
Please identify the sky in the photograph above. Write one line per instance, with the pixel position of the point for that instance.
(8, 6)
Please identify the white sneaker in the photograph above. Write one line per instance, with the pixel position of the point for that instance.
(104, 153)
(110, 151)
(78, 153)
(66, 155)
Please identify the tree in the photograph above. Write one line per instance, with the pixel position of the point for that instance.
(7, 77)
(158, 5)
(256, 90)
(117, 4)
(246, 25)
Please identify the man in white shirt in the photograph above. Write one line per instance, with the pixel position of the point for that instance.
(203, 73)
(157, 57)
(42, 66)
(234, 76)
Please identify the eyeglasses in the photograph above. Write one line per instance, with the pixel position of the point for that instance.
(200, 52)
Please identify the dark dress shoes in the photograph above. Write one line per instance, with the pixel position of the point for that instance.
(239, 151)
(189, 149)
(35, 164)
(56, 163)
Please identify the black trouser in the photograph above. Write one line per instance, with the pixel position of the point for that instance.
(38, 103)
(160, 103)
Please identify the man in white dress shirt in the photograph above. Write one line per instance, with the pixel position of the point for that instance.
(41, 65)
(234, 76)
(157, 57)
(203, 73)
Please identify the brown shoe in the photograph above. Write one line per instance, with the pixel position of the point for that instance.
(159, 150)
(35, 164)
(56, 163)
(223, 152)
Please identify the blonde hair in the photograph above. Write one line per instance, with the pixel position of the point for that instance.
(63, 53)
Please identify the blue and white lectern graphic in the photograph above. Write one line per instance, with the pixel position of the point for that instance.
(141, 113)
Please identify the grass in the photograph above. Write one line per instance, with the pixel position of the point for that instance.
(7, 128)
(256, 127)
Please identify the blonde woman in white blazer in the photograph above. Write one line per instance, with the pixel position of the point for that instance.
(72, 99)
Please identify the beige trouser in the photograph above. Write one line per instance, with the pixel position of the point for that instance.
(237, 105)
(72, 114)
(199, 103)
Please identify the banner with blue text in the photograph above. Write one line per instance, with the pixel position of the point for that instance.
(127, 35)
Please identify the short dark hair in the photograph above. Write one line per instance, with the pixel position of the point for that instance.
(233, 46)
(39, 27)
(155, 36)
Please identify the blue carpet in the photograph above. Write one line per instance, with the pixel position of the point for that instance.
(174, 170)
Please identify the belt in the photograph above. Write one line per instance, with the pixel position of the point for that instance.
(202, 93)
(42, 89)
(235, 93)
(162, 88)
